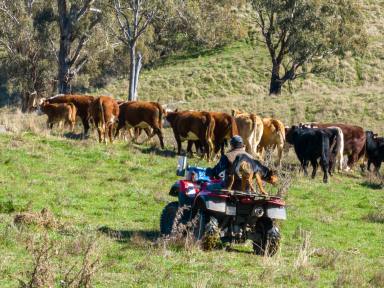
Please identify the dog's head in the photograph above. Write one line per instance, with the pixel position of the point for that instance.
(271, 177)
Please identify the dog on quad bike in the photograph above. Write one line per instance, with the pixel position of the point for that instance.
(248, 168)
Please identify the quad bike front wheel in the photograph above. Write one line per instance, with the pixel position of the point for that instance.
(172, 216)
(167, 218)
(268, 242)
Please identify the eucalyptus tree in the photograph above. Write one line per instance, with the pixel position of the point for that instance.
(298, 32)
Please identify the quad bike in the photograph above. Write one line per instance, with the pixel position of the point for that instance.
(225, 216)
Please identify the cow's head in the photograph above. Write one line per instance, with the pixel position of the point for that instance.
(40, 107)
(235, 112)
(169, 115)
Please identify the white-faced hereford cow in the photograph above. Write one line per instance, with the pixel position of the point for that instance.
(58, 113)
(142, 115)
(82, 103)
(273, 137)
(193, 126)
(250, 128)
(104, 112)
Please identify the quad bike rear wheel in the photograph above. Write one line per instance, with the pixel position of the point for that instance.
(206, 230)
(269, 238)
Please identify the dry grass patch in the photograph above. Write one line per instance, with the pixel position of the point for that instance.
(44, 218)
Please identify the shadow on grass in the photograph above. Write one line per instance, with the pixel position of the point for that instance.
(75, 136)
(372, 185)
(156, 150)
(192, 54)
(124, 236)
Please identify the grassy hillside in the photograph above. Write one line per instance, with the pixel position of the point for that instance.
(112, 196)
(236, 77)
(107, 200)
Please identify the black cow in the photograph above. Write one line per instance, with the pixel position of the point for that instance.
(311, 144)
(336, 143)
(374, 150)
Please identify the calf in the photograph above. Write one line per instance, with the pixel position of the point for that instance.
(310, 145)
(82, 103)
(104, 112)
(142, 115)
(374, 150)
(250, 128)
(58, 113)
(273, 137)
(193, 126)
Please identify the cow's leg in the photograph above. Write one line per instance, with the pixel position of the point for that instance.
(305, 166)
(119, 126)
(369, 165)
(279, 154)
(314, 167)
(248, 146)
(159, 134)
(100, 133)
(352, 159)
(85, 125)
(178, 142)
(189, 148)
(208, 149)
(324, 166)
(110, 132)
(377, 167)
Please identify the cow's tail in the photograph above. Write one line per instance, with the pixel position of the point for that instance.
(73, 112)
(279, 128)
(102, 112)
(340, 148)
(161, 114)
(234, 130)
(209, 132)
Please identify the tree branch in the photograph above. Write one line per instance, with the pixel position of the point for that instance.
(84, 9)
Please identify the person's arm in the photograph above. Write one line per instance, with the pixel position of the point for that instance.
(221, 166)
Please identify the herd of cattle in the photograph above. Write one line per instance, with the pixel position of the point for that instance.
(209, 131)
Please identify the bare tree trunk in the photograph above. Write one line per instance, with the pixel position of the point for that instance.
(276, 83)
(64, 69)
(132, 66)
(65, 47)
(137, 73)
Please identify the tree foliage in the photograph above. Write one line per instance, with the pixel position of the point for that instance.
(298, 32)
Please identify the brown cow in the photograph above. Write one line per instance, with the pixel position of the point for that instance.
(354, 140)
(104, 112)
(82, 103)
(58, 113)
(225, 129)
(143, 115)
(273, 137)
(250, 128)
(193, 126)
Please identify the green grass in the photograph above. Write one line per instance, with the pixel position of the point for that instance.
(333, 235)
(124, 187)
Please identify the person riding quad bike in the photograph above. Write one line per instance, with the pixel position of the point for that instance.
(237, 163)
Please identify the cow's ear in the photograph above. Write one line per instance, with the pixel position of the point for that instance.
(233, 111)
(176, 110)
